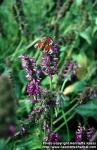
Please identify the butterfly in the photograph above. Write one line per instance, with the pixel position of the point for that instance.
(46, 44)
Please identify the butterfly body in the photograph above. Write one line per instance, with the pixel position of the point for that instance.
(46, 44)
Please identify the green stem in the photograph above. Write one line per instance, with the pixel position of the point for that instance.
(51, 108)
(51, 119)
(66, 125)
(57, 129)
(37, 54)
(17, 49)
(59, 111)
(62, 88)
(6, 142)
(65, 114)
(72, 101)
(32, 43)
(50, 84)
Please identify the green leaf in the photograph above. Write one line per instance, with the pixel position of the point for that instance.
(3, 145)
(74, 88)
(25, 105)
(46, 81)
(22, 77)
(87, 35)
(78, 2)
(88, 110)
(65, 101)
(32, 141)
(94, 30)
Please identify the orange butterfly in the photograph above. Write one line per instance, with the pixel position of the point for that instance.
(46, 44)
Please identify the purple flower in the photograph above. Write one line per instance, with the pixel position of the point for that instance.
(79, 133)
(83, 134)
(29, 66)
(33, 73)
(71, 68)
(50, 59)
(49, 64)
(90, 133)
(50, 51)
(37, 112)
(52, 102)
(45, 126)
(33, 87)
(53, 137)
(56, 48)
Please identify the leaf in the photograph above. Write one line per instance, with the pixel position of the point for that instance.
(3, 145)
(2, 68)
(94, 30)
(22, 77)
(25, 106)
(56, 112)
(74, 88)
(46, 81)
(81, 58)
(65, 102)
(86, 35)
(64, 135)
(78, 2)
(81, 72)
(32, 141)
(88, 110)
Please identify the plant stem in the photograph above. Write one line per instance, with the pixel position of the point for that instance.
(37, 54)
(50, 84)
(57, 129)
(65, 114)
(51, 119)
(51, 108)
(66, 124)
(17, 49)
(62, 88)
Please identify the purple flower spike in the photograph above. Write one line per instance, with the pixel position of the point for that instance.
(29, 66)
(49, 64)
(79, 134)
(50, 57)
(33, 87)
(90, 133)
(83, 134)
(56, 48)
(71, 68)
(53, 137)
